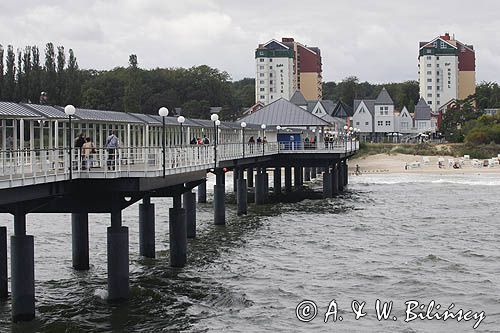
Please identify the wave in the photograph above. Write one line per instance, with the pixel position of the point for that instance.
(392, 179)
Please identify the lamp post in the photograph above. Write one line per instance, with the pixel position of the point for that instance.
(278, 128)
(215, 118)
(263, 126)
(243, 125)
(350, 135)
(181, 121)
(163, 112)
(345, 137)
(70, 110)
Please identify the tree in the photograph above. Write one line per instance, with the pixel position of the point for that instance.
(60, 83)
(1, 73)
(10, 72)
(49, 75)
(27, 74)
(132, 98)
(36, 75)
(72, 83)
(454, 125)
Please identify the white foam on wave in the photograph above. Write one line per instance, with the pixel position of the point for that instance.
(391, 179)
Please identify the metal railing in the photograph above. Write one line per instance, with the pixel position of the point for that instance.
(26, 167)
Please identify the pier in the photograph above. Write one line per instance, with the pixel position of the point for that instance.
(42, 172)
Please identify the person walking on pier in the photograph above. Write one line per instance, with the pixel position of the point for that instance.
(112, 146)
(88, 149)
(251, 142)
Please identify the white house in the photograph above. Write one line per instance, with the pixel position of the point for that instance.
(423, 121)
(363, 118)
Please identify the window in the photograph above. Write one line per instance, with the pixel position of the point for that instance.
(437, 65)
(261, 67)
(281, 90)
(404, 124)
(438, 102)
(437, 73)
(270, 89)
(437, 58)
(262, 89)
(261, 81)
(270, 59)
(429, 72)
(429, 80)
(429, 65)
(428, 57)
(357, 123)
(261, 59)
(270, 74)
(438, 95)
(429, 95)
(429, 51)
(271, 96)
(437, 80)
(449, 82)
(261, 74)
(387, 123)
(270, 81)
(429, 87)
(366, 123)
(437, 88)
(281, 70)
(380, 123)
(270, 67)
(262, 97)
(429, 102)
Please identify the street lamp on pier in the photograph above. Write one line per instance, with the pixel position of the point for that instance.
(243, 125)
(263, 126)
(70, 110)
(181, 121)
(163, 112)
(215, 118)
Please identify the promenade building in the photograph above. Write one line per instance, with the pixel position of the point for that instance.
(284, 67)
(447, 70)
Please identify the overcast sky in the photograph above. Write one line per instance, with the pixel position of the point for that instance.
(374, 40)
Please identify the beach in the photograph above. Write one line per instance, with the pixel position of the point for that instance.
(383, 163)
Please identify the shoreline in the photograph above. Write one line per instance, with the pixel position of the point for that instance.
(416, 164)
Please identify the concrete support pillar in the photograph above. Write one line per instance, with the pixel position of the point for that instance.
(265, 180)
(250, 177)
(4, 289)
(277, 181)
(118, 264)
(313, 173)
(346, 174)
(147, 228)
(340, 170)
(288, 179)
(242, 195)
(235, 181)
(189, 201)
(22, 261)
(202, 192)
(335, 180)
(297, 177)
(307, 174)
(80, 240)
(327, 184)
(259, 188)
(219, 193)
(177, 234)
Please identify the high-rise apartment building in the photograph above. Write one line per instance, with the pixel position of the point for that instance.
(447, 70)
(284, 67)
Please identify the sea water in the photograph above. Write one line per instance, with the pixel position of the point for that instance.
(393, 238)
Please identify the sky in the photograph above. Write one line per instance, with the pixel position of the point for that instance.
(375, 40)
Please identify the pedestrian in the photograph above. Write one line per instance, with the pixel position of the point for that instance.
(193, 141)
(112, 147)
(251, 143)
(206, 141)
(88, 149)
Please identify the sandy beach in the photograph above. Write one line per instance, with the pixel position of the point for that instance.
(383, 163)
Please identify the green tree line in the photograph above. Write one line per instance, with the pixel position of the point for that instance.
(25, 73)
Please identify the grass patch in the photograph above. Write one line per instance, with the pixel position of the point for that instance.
(456, 150)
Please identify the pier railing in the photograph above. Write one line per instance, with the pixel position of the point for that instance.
(27, 167)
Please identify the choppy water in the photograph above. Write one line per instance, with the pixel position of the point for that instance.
(391, 237)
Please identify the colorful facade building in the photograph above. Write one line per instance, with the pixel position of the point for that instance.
(447, 70)
(284, 67)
